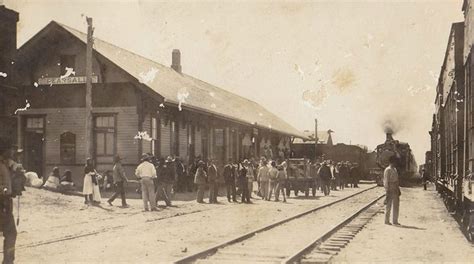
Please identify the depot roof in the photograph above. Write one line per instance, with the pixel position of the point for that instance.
(168, 83)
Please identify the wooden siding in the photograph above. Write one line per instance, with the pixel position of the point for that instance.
(146, 145)
(58, 121)
(183, 141)
(198, 142)
(165, 139)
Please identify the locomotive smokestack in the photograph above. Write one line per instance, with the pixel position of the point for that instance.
(389, 137)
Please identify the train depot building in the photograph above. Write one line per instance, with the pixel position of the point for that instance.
(138, 106)
(8, 90)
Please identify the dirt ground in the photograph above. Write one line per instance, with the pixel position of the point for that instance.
(56, 228)
(427, 234)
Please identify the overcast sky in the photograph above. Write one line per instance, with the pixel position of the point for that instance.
(350, 64)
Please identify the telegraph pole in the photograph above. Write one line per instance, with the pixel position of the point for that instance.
(88, 135)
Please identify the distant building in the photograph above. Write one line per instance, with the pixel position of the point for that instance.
(139, 106)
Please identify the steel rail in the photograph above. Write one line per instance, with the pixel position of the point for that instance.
(213, 249)
(300, 253)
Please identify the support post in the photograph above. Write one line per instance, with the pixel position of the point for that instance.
(88, 135)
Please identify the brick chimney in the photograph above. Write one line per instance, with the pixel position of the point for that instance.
(176, 60)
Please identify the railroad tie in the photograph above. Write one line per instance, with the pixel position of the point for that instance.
(330, 247)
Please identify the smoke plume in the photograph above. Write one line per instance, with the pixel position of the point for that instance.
(391, 126)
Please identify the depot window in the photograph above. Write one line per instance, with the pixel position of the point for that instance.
(34, 122)
(67, 147)
(105, 135)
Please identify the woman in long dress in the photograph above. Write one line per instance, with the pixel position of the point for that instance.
(91, 189)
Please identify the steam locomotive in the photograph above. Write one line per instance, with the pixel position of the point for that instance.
(406, 165)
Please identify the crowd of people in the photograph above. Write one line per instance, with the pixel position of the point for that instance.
(159, 178)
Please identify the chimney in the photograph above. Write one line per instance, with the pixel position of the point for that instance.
(389, 137)
(176, 60)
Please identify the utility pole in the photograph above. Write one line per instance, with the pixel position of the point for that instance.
(88, 135)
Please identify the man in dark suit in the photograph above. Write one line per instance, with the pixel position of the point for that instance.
(325, 174)
(229, 178)
(7, 221)
(212, 176)
(355, 175)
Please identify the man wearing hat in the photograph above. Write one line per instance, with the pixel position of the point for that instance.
(7, 222)
(166, 178)
(263, 178)
(229, 179)
(119, 179)
(243, 181)
(213, 176)
(325, 174)
(200, 179)
(355, 174)
(146, 172)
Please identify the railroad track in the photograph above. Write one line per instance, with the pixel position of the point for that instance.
(289, 240)
(323, 248)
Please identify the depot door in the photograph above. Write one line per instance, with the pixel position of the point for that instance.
(34, 144)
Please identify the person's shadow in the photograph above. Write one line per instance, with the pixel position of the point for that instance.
(410, 227)
(101, 207)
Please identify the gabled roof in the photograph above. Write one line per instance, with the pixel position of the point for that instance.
(202, 96)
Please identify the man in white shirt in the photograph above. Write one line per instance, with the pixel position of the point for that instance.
(392, 190)
(146, 172)
(263, 179)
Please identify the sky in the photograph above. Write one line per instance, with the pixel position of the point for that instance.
(352, 65)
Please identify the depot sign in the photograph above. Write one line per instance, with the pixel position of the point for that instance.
(66, 80)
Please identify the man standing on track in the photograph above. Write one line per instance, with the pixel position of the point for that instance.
(392, 190)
